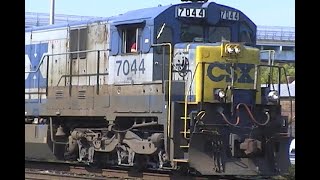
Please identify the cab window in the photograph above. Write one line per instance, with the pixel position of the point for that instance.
(130, 40)
(218, 34)
(191, 33)
(246, 35)
(163, 35)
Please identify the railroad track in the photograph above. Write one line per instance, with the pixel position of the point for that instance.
(41, 170)
(46, 175)
(61, 171)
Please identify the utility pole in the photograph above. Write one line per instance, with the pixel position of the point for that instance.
(52, 12)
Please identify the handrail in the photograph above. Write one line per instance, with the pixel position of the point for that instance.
(79, 75)
(270, 59)
(46, 54)
(66, 53)
(170, 79)
(186, 102)
(257, 67)
(290, 98)
(279, 89)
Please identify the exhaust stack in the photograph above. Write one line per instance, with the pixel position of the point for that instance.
(52, 12)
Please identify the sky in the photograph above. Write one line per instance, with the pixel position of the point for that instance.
(262, 12)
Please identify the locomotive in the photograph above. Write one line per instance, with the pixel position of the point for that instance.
(165, 87)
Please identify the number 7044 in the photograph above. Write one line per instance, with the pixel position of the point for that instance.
(125, 67)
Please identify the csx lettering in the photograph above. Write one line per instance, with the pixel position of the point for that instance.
(244, 70)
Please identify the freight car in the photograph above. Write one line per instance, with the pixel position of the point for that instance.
(165, 87)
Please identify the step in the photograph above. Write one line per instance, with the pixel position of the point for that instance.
(182, 117)
(180, 160)
(182, 132)
(187, 146)
(182, 102)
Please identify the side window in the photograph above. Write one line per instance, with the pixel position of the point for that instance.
(78, 42)
(130, 40)
(246, 35)
(163, 35)
(218, 34)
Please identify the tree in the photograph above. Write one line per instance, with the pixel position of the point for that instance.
(274, 72)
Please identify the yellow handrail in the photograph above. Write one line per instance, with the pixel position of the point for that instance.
(185, 114)
(186, 102)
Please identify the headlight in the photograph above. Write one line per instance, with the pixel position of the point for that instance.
(237, 50)
(220, 93)
(273, 95)
(230, 50)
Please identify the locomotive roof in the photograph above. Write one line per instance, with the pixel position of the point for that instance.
(130, 16)
(140, 14)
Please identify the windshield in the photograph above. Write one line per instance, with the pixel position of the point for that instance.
(246, 34)
(196, 33)
(218, 34)
(191, 33)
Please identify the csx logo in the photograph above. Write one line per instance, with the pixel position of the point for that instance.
(243, 77)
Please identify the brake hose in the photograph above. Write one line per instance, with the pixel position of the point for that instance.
(251, 116)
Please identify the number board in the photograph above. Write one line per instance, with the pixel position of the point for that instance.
(130, 69)
(230, 15)
(191, 12)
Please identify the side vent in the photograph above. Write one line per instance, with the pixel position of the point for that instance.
(82, 94)
(59, 94)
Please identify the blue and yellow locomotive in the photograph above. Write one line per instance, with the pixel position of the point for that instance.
(162, 87)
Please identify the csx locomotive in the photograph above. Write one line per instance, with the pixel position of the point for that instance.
(164, 87)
